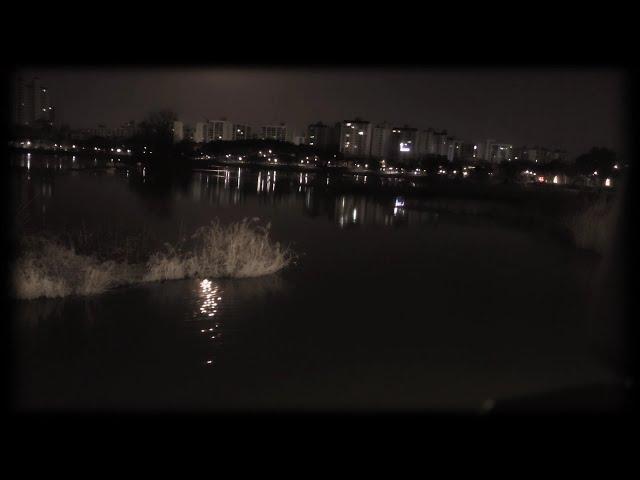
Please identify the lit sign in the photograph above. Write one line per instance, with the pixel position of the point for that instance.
(404, 147)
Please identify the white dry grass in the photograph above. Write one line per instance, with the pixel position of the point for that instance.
(240, 250)
(48, 268)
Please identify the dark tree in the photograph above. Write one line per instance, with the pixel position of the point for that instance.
(597, 159)
(512, 171)
(155, 133)
(186, 148)
(432, 163)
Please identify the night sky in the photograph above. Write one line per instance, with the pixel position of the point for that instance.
(573, 109)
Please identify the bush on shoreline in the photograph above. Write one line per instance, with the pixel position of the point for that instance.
(48, 267)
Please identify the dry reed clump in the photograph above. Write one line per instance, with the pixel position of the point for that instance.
(49, 268)
(239, 250)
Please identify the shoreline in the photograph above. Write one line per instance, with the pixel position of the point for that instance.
(444, 183)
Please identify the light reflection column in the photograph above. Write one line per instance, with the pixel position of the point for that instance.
(211, 296)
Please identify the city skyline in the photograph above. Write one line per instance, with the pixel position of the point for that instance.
(571, 110)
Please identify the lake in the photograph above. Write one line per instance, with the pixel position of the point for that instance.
(386, 306)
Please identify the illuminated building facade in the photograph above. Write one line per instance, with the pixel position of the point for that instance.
(469, 151)
(323, 137)
(355, 138)
(432, 143)
(441, 143)
(539, 155)
(455, 148)
(213, 130)
(178, 131)
(240, 132)
(127, 130)
(275, 132)
(498, 152)
(403, 144)
(424, 138)
(381, 140)
(31, 103)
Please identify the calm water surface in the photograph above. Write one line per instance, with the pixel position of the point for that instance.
(386, 307)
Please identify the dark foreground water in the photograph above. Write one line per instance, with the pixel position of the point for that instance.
(386, 307)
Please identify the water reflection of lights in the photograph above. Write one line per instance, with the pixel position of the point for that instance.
(350, 210)
(271, 182)
(210, 296)
(398, 207)
(303, 179)
(267, 184)
(307, 200)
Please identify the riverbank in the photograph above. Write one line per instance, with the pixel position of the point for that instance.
(558, 209)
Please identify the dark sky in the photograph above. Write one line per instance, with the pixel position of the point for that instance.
(573, 109)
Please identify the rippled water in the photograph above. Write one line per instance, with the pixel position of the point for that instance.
(387, 306)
